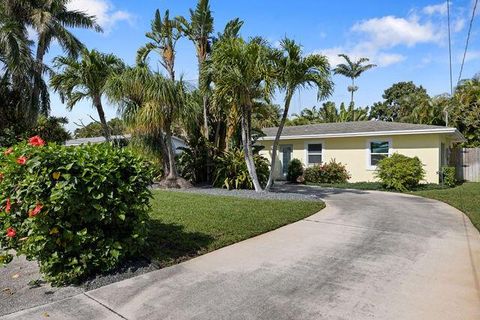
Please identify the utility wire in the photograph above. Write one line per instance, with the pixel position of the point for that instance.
(468, 39)
(449, 46)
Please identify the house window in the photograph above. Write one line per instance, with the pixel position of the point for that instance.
(378, 151)
(314, 153)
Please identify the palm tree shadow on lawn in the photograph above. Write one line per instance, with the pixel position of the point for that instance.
(169, 243)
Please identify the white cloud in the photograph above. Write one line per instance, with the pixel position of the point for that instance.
(470, 56)
(390, 31)
(382, 59)
(440, 9)
(103, 10)
(458, 25)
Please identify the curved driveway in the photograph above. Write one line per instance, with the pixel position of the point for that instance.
(368, 255)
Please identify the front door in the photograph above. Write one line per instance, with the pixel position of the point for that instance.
(286, 151)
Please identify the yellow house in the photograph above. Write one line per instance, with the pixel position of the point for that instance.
(360, 145)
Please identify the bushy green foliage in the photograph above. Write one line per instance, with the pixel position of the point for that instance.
(294, 170)
(400, 172)
(331, 172)
(449, 176)
(76, 210)
(231, 170)
(192, 162)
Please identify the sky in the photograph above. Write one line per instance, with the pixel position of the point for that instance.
(407, 39)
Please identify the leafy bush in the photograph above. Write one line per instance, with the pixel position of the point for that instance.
(191, 163)
(231, 170)
(76, 210)
(332, 172)
(400, 172)
(449, 176)
(294, 170)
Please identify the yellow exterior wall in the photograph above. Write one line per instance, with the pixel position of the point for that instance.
(353, 152)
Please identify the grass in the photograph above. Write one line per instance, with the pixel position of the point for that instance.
(185, 225)
(465, 197)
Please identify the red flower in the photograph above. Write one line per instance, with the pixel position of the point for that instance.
(8, 151)
(34, 212)
(36, 141)
(8, 206)
(11, 232)
(22, 160)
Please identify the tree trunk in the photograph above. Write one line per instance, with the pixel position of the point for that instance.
(288, 99)
(351, 100)
(97, 102)
(247, 148)
(163, 146)
(41, 50)
(172, 169)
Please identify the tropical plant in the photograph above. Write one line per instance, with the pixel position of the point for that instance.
(294, 170)
(243, 73)
(465, 111)
(353, 70)
(231, 171)
(164, 36)
(449, 176)
(87, 78)
(199, 30)
(51, 129)
(192, 161)
(150, 104)
(400, 172)
(52, 20)
(77, 211)
(294, 72)
(331, 172)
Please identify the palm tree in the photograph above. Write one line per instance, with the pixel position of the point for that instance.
(151, 104)
(352, 69)
(86, 78)
(51, 20)
(199, 30)
(295, 72)
(243, 73)
(164, 36)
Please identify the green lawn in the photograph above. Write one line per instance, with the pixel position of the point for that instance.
(185, 225)
(465, 197)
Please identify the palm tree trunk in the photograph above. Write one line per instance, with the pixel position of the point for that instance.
(351, 100)
(288, 99)
(97, 102)
(172, 169)
(247, 148)
(41, 50)
(165, 156)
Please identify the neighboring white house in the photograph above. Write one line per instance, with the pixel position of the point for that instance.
(176, 141)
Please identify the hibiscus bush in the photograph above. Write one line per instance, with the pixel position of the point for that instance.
(76, 210)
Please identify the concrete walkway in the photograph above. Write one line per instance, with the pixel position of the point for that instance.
(368, 255)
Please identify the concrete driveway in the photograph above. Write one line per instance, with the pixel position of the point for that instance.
(368, 255)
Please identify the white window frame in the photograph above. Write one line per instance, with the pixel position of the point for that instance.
(315, 153)
(369, 154)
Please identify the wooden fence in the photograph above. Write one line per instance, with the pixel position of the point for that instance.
(467, 161)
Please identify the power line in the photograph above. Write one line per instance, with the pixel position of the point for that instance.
(449, 46)
(468, 39)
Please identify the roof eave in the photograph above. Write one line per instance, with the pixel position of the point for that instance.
(365, 134)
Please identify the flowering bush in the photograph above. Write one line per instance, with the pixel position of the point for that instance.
(332, 172)
(76, 210)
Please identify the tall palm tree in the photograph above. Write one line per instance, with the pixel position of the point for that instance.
(51, 20)
(243, 72)
(296, 71)
(199, 30)
(151, 104)
(86, 78)
(352, 69)
(164, 36)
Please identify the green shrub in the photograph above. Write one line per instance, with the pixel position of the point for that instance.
(449, 176)
(231, 170)
(332, 172)
(400, 172)
(294, 170)
(76, 210)
(192, 162)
